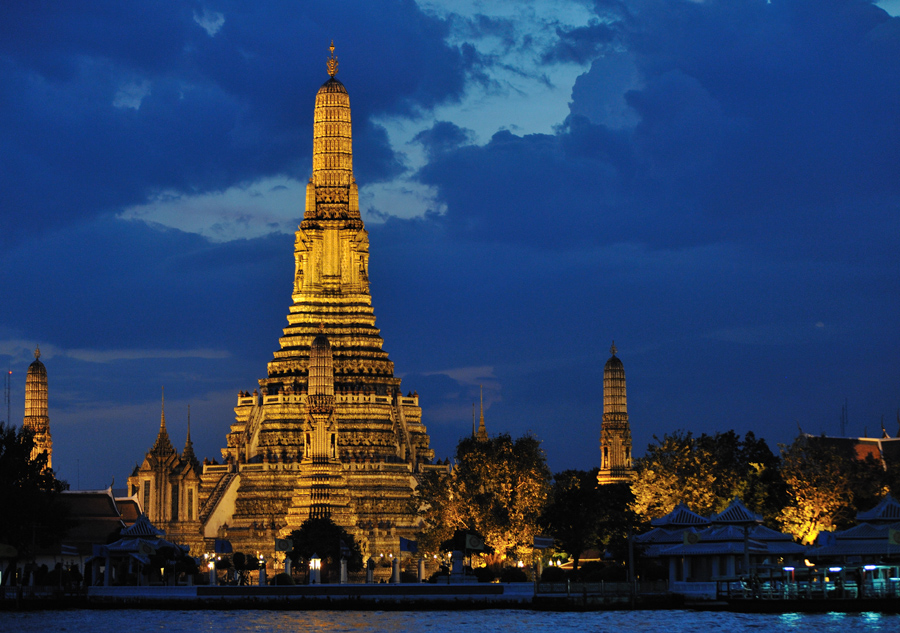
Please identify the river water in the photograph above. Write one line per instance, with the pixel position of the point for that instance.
(487, 621)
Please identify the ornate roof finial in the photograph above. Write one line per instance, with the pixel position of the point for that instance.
(37, 352)
(163, 446)
(188, 453)
(332, 61)
(613, 350)
(162, 421)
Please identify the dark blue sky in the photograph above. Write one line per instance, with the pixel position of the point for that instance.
(715, 185)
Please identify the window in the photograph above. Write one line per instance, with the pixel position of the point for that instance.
(190, 504)
(146, 503)
(175, 501)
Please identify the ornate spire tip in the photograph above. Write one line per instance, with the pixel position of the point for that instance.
(37, 352)
(332, 61)
(612, 349)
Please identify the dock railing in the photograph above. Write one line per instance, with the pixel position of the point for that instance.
(602, 588)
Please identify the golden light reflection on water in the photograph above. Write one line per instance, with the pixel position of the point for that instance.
(483, 621)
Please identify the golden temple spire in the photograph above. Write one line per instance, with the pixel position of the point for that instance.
(615, 431)
(163, 446)
(482, 435)
(188, 453)
(332, 61)
(36, 410)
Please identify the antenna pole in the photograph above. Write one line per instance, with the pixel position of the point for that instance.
(6, 394)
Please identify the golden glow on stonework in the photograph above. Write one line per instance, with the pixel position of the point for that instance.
(615, 432)
(328, 432)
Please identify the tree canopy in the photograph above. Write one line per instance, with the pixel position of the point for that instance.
(827, 486)
(32, 514)
(324, 538)
(497, 488)
(582, 515)
(706, 473)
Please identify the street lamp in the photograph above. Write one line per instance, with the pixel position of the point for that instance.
(315, 565)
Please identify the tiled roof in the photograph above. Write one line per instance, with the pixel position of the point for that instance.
(681, 515)
(763, 533)
(737, 514)
(703, 548)
(887, 511)
(93, 503)
(94, 516)
(142, 527)
(129, 509)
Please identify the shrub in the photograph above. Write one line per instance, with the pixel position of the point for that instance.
(553, 574)
(282, 579)
(513, 574)
(438, 576)
(484, 574)
(409, 576)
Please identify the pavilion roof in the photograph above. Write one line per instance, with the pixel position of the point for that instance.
(680, 516)
(887, 511)
(142, 528)
(737, 514)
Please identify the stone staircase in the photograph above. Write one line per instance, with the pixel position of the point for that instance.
(217, 493)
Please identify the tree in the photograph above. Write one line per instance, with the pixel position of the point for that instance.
(244, 563)
(32, 514)
(673, 471)
(324, 538)
(497, 488)
(573, 512)
(618, 520)
(819, 493)
(706, 473)
(439, 509)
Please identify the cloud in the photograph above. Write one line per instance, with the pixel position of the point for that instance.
(768, 125)
(122, 285)
(131, 94)
(210, 21)
(580, 44)
(723, 178)
(443, 136)
(109, 356)
(108, 106)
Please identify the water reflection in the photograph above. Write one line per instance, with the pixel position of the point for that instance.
(487, 621)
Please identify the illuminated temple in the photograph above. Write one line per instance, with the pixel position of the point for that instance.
(615, 432)
(328, 431)
(37, 418)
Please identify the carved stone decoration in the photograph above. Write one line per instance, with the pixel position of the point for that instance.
(615, 432)
(352, 446)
